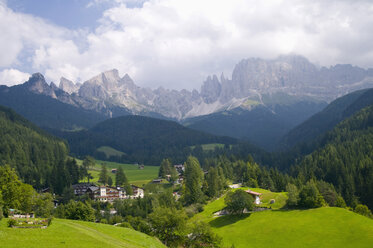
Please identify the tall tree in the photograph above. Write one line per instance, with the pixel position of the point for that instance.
(164, 168)
(88, 163)
(103, 175)
(212, 182)
(120, 177)
(193, 181)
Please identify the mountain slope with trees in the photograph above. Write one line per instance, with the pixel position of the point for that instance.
(344, 158)
(141, 139)
(39, 158)
(261, 124)
(46, 111)
(328, 118)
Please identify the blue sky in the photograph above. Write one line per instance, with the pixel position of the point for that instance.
(175, 43)
(73, 14)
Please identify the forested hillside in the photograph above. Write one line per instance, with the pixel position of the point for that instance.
(39, 158)
(261, 124)
(325, 120)
(345, 159)
(45, 111)
(141, 139)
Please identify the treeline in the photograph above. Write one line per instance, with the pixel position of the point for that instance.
(22, 197)
(38, 158)
(141, 139)
(344, 159)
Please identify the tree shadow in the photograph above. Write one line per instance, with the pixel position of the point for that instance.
(228, 220)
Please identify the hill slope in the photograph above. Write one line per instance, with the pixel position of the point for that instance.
(46, 111)
(325, 120)
(263, 124)
(33, 152)
(322, 227)
(344, 158)
(69, 233)
(141, 139)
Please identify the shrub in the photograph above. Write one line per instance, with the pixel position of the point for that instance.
(363, 210)
(50, 221)
(238, 201)
(126, 224)
(12, 222)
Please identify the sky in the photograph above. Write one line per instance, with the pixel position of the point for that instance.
(175, 43)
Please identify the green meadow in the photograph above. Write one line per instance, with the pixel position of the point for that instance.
(132, 171)
(71, 233)
(322, 227)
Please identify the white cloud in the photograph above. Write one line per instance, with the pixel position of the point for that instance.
(177, 43)
(12, 77)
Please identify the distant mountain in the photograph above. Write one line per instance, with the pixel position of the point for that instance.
(37, 101)
(32, 152)
(344, 157)
(327, 119)
(112, 95)
(262, 124)
(140, 139)
(251, 79)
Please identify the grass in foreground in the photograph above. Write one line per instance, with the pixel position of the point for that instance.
(322, 227)
(70, 233)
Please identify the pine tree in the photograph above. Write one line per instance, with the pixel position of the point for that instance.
(120, 178)
(103, 175)
(193, 181)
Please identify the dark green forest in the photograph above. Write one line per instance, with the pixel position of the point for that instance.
(142, 139)
(344, 158)
(39, 158)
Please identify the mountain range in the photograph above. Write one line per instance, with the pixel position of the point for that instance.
(251, 79)
(263, 100)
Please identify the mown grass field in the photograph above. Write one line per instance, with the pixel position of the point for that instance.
(109, 151)
(322, 227)
(210, 147)
(133, 173)
(70, 233)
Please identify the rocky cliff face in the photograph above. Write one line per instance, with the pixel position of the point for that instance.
(251, 79)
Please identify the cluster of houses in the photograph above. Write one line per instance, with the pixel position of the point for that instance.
(105, 193)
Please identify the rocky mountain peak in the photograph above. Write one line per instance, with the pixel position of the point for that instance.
(68, 86)
(37, 84)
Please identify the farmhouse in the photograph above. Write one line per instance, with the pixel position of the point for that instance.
(108, 194)
(256, 196)
(137, 192)
(179, 168)
(84, 188)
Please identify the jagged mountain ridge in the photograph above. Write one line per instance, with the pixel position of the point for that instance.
(110, 94)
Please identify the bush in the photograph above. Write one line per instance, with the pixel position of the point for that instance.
(126, 225)
(363, 210)
(12, 222)
(50, 221)
(103, 221)
(1, 213)
(238, 201)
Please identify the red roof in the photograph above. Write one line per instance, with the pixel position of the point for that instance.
(253, 192)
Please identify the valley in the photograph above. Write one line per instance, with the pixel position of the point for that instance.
(110, 175)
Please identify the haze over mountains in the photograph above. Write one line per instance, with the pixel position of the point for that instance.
(251, 79)
(263, 100)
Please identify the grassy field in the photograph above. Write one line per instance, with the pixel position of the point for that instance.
(322, 227)
(133, 173)
(69, 233)
(214, 206)
(209, 147)
(109, 151)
